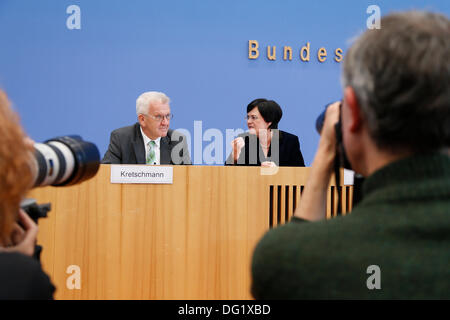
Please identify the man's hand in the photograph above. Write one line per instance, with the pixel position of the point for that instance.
(23, 236)
(237, 145)
(313, 201)
(328, 134)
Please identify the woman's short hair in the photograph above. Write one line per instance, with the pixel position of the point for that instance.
(15, 168)
(269, 110)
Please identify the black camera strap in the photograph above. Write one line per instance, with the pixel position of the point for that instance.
(337, 175)
(339, 162)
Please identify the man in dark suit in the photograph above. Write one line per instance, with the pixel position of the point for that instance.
(149, 141)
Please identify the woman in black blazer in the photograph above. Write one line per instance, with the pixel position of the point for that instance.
(265, 145)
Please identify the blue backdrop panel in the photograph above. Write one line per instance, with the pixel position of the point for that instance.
(86, 81)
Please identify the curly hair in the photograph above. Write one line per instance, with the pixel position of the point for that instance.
(16, 171)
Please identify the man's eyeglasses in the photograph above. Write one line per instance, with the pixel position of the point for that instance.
(160, 117)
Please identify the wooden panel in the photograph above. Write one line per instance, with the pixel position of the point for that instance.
(281, 205)
(350, 198)
(335, 200)
(344, 200)
(193, 239)
(329, 204)
(290, 201)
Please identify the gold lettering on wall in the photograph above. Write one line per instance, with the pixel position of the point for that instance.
(322, 54)
(303, 50)
(339, 55)
(253, 52)
(286, 50)
(304, 54)
(271, 56)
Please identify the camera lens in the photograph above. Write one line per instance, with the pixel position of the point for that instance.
(65, 160)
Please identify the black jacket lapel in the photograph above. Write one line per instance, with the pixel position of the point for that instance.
(138, 145)
(165, 150)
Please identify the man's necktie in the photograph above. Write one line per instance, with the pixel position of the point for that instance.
(151, 155)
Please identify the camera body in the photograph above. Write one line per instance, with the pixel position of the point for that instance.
(35, 211)
(342, 157)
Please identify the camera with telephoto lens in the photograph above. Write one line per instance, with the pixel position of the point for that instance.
(61, 161)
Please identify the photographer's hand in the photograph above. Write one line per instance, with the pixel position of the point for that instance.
(313, 201)
(29, 142)
(23, 239)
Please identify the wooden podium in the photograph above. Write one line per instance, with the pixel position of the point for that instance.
(192, 239)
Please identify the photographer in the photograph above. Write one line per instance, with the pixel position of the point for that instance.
(395, 119)
(21, 277)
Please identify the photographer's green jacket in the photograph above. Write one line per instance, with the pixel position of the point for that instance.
(394, 245)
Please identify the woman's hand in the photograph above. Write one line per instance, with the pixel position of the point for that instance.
(268, 164)
(237, 145)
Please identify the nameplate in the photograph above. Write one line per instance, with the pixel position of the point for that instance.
(348, 177)
(141, 174)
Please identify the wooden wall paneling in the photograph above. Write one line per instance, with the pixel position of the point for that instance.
(193, 239)
(106, 202)
(281, 204)
(329, 204)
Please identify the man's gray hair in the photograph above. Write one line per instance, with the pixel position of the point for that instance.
(401, 76)
(144, 100)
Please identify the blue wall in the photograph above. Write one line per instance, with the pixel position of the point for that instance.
(86, 81)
